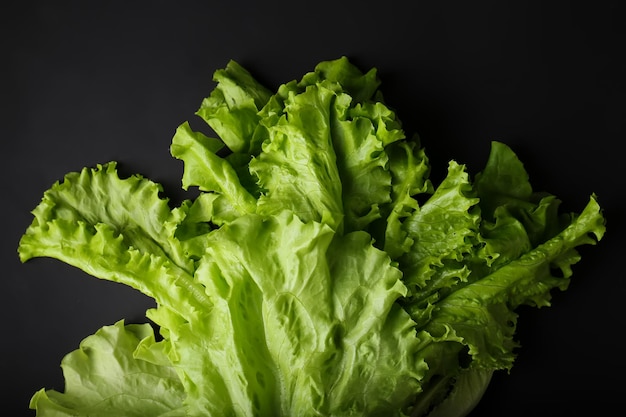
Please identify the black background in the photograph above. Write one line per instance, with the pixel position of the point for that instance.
(89, 82)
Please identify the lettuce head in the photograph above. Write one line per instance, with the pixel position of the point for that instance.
(319, 271)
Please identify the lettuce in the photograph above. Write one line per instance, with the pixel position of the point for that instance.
(318, 272)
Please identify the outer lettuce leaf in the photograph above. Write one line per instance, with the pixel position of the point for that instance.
(119, 230)
(106, 378)
(321, 303)
(132, 207)
(471, 274)
(482, 312)
(515, 219)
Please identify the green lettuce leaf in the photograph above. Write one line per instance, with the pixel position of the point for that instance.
(116, 229)
(107, 376)
(233, 106)
(314, 301)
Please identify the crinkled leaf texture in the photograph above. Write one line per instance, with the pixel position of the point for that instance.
(319, 272)
(307, 326)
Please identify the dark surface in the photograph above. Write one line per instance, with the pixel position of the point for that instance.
(83, 85)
